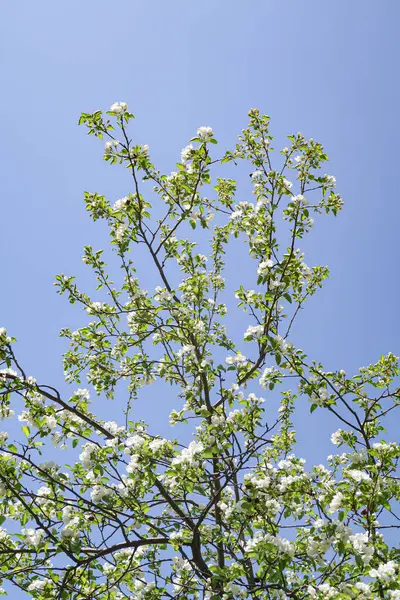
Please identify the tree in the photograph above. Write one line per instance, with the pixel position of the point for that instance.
(234, 513)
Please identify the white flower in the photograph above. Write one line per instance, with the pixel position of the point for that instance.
(320, 397)
(49, 465)
(120, 232)
(385, 571)
(110, 145)
(51, 422)
(119, 107)
(181, 564)
(157, 444)
(32, 537)
(186, 153)
(265, 378)
(67, 514)
(42, 495)
(318, 523)
(100, 493)
(288, 184)
(363, 587)
(360, 456)
(186, 349)
(358, 475)
(95, 307)
(236, 360)
(176, 535)
(264, 266)
(113, 427)
(82, 393)
(217, 420)
(336, 437)
(38, 585)
(204, 132)
(162, 295)
(312, 592)
(3, 331)
(135, 442)
(199, 326)
(282, 544)
(359, 542)
(254, 331)
(120, 204)
(68, 534)
(300, 199)
(234, 590)
(274, 284)
(327, 590)
(330, 179)
(171, 178)
(86, 456)
(188, 455)
(134, 463)
(336, 502)
(281, 342)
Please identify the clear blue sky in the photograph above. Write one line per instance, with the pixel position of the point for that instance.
(327, 69)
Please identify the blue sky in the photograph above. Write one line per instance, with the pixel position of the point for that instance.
(327, 69)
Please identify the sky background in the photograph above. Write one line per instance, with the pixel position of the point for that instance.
(327, 69)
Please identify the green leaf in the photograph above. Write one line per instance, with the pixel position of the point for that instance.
(26, 430)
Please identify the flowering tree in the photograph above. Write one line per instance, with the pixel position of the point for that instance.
(234, 513)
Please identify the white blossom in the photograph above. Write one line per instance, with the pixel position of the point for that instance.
(189, 455)
(265, 266)
(51, 422)
(100, 493)
(87, 455)
(287, 184)
(38, 585)
(120, 204)
(358, 475)
(204, 133)
(385, 571)
(186, 153)
(336, 502)
(110, 146)
(253, 331)
(359, 542)
(336, 437)
(135, 442)
(238, 359)
(119, 107)
(68, 534)
(330, 179)
(32, 537)
(120, 232)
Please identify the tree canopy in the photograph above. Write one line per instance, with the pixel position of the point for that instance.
(235, 512)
